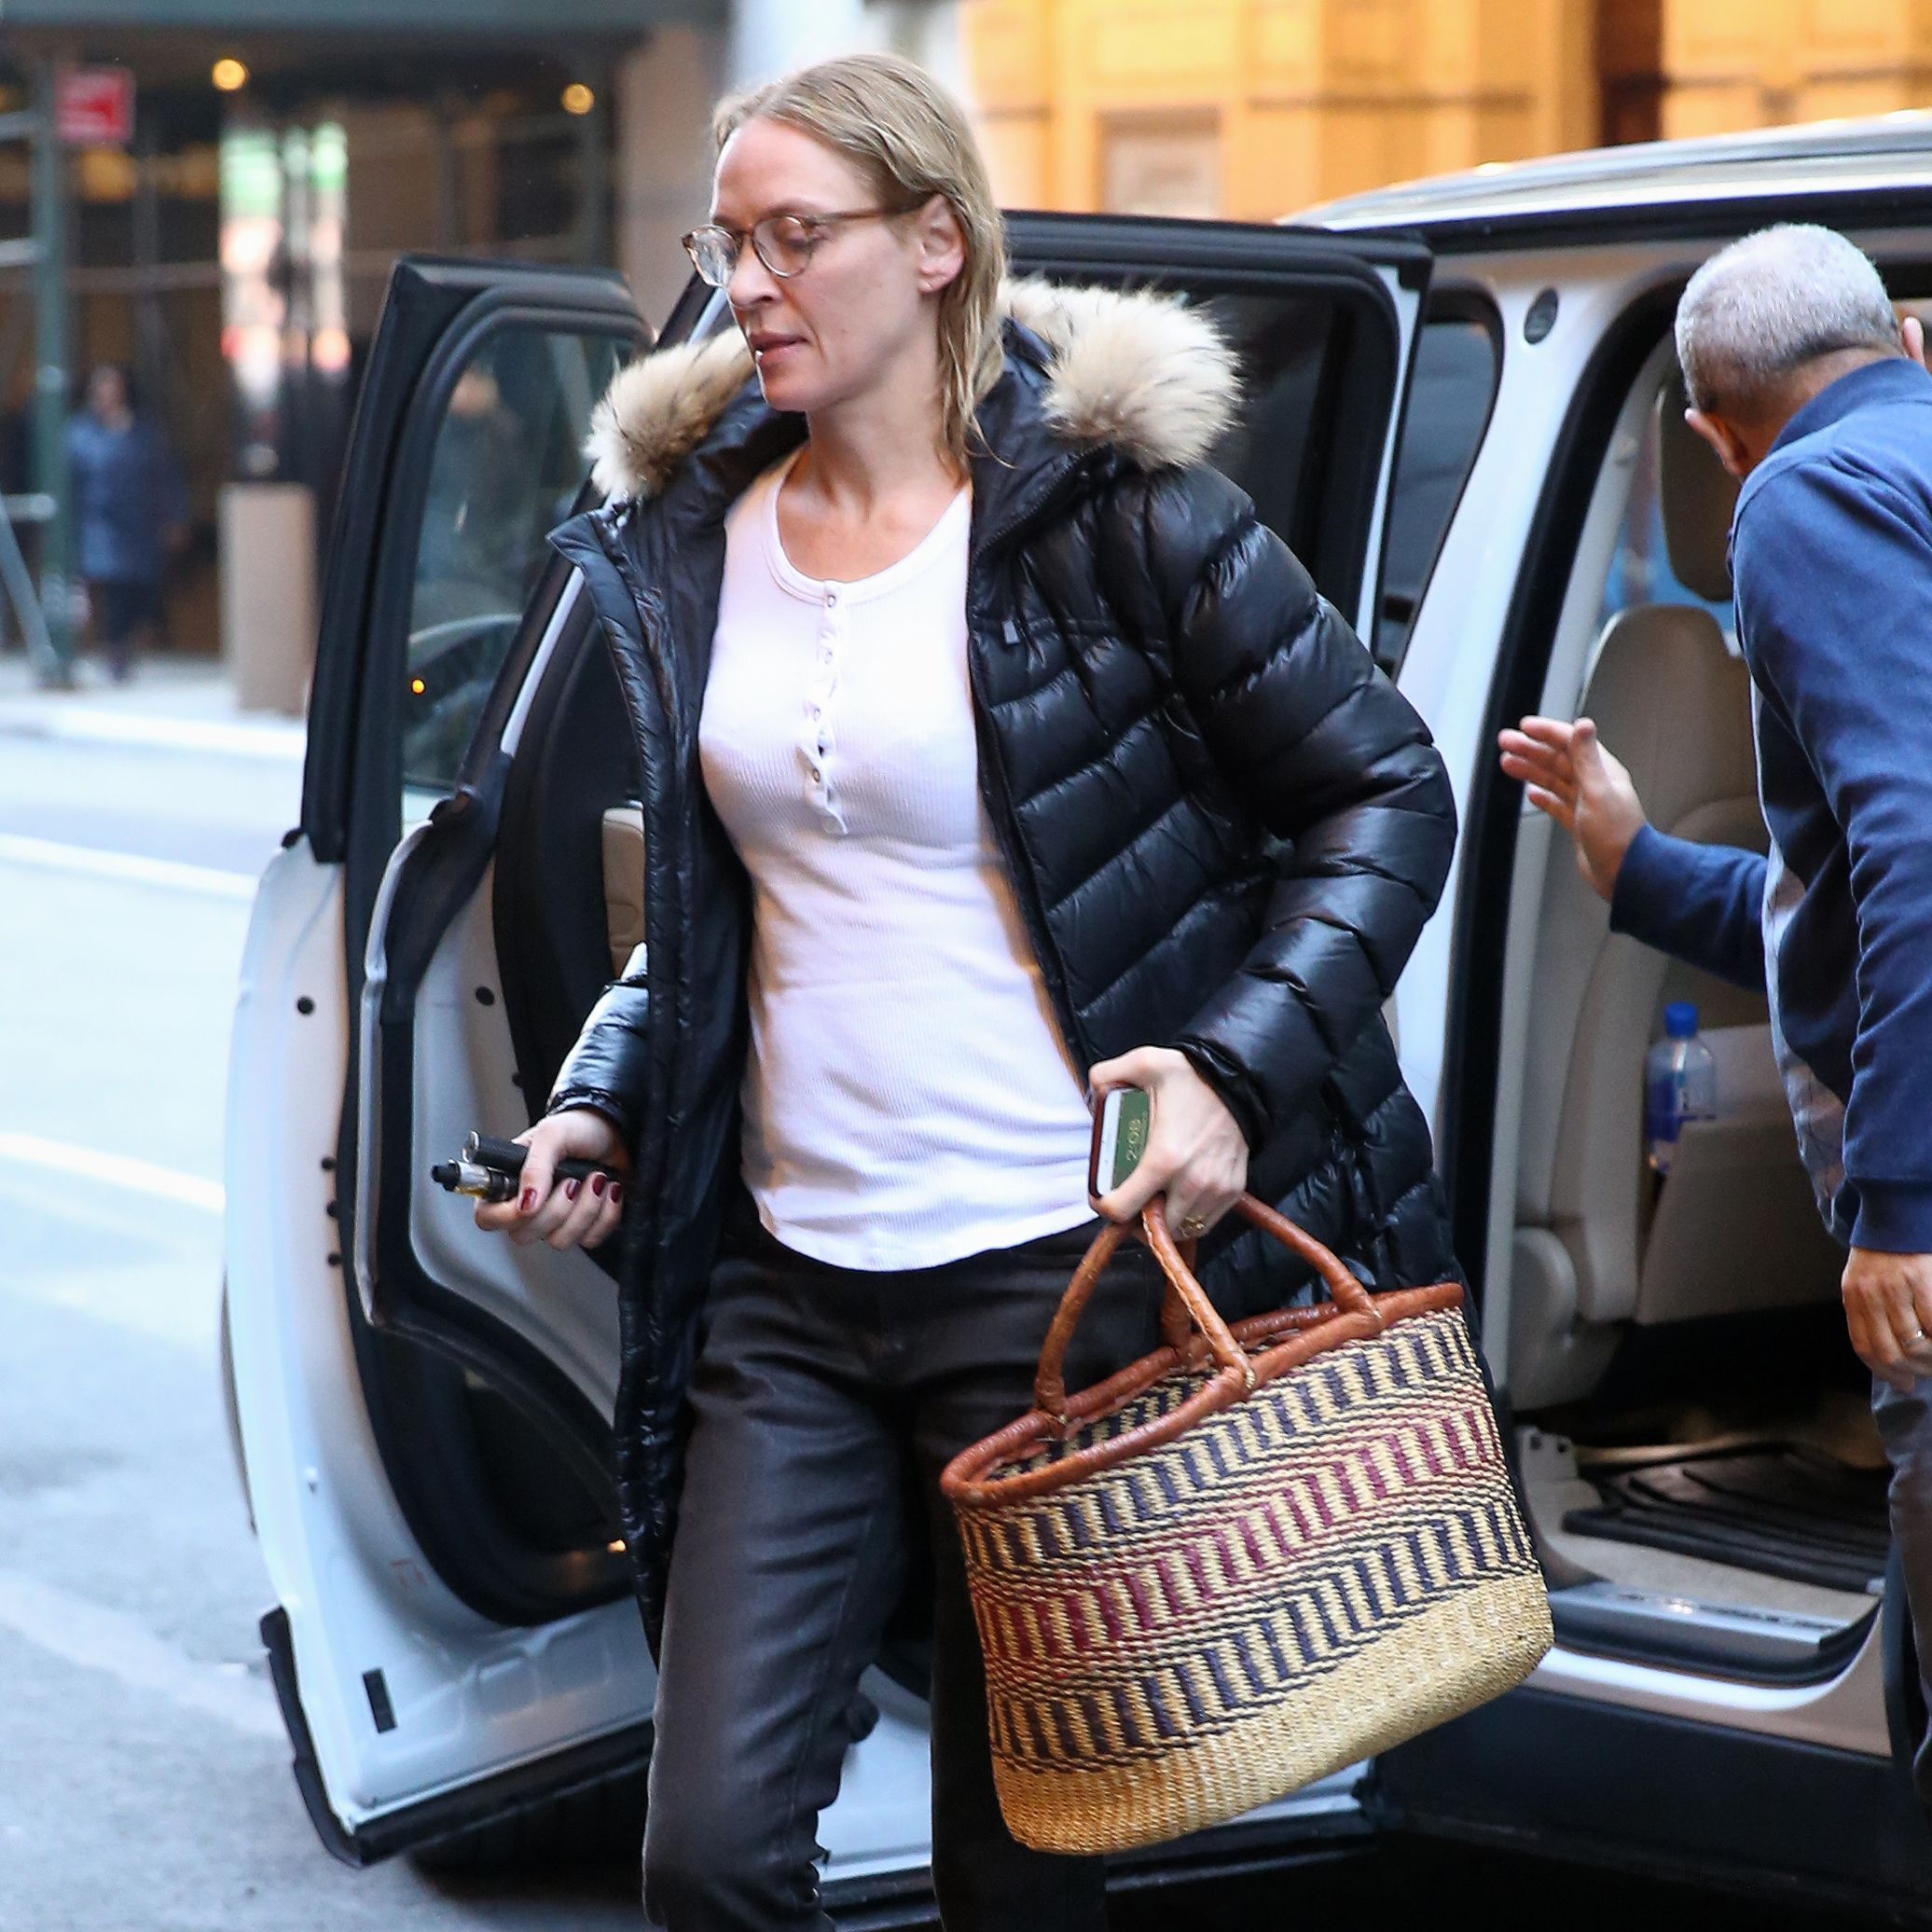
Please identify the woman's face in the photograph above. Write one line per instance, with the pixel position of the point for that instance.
(849, 319)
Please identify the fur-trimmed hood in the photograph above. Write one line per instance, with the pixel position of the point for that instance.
(1141, 373)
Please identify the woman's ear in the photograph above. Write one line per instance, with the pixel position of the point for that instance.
(939, 245)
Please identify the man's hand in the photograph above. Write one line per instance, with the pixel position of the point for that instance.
(1197, 1154)
(1888, 1309)
(1569, 776)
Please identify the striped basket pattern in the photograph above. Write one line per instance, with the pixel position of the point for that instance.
(1245, 1562)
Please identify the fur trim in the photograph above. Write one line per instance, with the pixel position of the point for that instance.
(1154, 378)
(659, 409)
(1141, 372)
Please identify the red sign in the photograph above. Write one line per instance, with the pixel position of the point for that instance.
(95, 106)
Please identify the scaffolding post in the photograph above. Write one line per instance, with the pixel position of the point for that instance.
(50, 187)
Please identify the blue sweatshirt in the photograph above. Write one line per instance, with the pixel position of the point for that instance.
(1831, 557)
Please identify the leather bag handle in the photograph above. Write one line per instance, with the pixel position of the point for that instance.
(1186, 1310)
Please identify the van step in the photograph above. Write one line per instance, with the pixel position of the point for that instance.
(1784, 1509)
(1735, 1639)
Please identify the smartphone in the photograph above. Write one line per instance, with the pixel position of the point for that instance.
(1121, 1125)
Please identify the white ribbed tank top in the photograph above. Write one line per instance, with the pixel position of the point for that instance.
(908, 1098)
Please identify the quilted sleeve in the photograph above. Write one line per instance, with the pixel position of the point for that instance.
(1330, 758)
(605, 1069)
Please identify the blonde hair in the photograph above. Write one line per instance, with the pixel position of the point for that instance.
(911, 140)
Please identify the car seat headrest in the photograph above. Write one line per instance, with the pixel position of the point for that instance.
(1698, 495)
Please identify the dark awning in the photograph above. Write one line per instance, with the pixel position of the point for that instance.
(490, 19)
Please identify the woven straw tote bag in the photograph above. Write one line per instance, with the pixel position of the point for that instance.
(1249, 1559)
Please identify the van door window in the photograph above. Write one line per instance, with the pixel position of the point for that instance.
(1282, 446)
(505, 469)
(1459, 361)
(1640, 570)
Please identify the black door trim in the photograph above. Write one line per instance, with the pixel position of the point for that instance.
(1566, 1777)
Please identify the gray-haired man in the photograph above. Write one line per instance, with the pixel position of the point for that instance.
(1801, 380)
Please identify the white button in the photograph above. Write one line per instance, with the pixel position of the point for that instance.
(817, 774)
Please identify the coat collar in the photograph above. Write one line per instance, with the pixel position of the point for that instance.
(1091, 374)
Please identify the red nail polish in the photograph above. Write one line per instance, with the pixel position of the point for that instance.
(597, 1185)
(526, 1201)
(570, 1189)
(617, 1193)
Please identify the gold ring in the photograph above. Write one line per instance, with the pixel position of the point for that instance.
(1191, 1227)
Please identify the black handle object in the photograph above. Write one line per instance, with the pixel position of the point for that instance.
(490, 1168)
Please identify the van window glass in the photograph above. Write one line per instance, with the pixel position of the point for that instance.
(1640, 571)
(1273, 449)
(1312, 412)
(506, 468)
(1450, 396)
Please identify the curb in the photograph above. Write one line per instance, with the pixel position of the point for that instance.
(285, 740)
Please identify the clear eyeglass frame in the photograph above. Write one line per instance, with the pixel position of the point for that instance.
(785, 243)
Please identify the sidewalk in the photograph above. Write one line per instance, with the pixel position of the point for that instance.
(180, 704)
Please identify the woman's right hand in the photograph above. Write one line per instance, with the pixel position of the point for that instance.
(573, 1214)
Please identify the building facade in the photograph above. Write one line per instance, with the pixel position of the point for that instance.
(234, 251)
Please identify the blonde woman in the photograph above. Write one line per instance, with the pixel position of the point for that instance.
(992, 750)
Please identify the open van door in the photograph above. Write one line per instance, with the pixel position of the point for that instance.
(425, 1411)
(396, 1464)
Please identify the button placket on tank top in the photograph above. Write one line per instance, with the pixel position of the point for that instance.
(818, 736)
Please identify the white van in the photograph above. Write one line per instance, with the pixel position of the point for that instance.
(1461, 415)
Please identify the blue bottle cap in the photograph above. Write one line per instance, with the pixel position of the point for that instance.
(1680, 1019)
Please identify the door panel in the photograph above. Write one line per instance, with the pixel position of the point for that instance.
(461, 1635)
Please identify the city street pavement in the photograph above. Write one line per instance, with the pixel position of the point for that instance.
(144, 1773)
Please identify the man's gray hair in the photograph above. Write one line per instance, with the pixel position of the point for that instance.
(1769, 303)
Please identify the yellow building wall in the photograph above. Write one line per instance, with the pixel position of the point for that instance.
(1256, 108)
(1732, 64)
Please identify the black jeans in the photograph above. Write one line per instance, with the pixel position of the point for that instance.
(826, 1401)
(1905, 1425)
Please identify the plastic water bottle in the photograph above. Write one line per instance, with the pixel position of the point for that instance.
(1680, 1082)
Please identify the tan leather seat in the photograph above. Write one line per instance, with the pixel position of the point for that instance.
(1735, 1228)
(624, 883)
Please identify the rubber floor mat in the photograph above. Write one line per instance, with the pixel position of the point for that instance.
(1785, 1509)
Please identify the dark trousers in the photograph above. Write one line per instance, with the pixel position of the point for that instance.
(826, 1401)
(125, 611)
(1905, 1425)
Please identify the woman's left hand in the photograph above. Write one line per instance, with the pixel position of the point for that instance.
(1197, 1154)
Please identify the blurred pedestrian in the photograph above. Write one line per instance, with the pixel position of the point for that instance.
(1814, 398)
(129, 512)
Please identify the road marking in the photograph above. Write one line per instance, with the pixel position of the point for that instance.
(19, 850)
(96, 1638)
(117, 1170)
(285, 739)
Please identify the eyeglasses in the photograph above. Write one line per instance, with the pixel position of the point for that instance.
(785, 243)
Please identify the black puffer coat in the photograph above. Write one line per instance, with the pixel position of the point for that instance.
(1224, 827)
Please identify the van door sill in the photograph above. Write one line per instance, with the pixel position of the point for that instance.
(1733, 1640)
